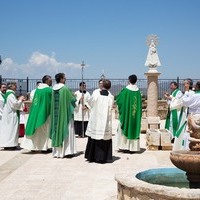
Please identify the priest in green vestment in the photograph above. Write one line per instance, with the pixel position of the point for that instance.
(62, 125)
(173, 116)
(181, 141)
(129, 102)
(37, 128)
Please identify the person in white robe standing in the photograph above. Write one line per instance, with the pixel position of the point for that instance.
(173, 116)
(82, 110)
(99, 129)
(181, 136)
(193, 103)
(97, 91)
(9, 127)
(33, 91)
(2, 94)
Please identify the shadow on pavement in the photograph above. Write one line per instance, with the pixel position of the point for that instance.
(142, 150)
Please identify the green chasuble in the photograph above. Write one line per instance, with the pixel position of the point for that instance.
(39, 110)
(62, 109)
(7, 94)
(130, 112)
(174, 116)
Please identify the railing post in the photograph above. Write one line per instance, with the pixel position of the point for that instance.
(27, 84)
(178, 80)
(20, 89)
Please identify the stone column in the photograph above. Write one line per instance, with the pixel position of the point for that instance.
(152, 95)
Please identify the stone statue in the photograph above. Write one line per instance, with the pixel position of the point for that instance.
(194, 130)
(152, 60)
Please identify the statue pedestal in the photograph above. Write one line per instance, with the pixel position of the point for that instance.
(152, 95)
(158, 139)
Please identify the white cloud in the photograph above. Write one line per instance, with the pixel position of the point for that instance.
(39, 59)
(37, 66)
(8, 61)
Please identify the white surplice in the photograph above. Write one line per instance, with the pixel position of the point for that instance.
(39, 141)
(9, 125)
(100, 122)
(78, 108)
(193, 103)
(181, 142)
(69, 144)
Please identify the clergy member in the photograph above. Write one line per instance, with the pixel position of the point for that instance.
(193, 104)
(37, 129)
(2, 94)
(129, 102)
(181, 141)
(62, 124)
(82, 110)
(9, 125)
(173, 116)
(99, 129)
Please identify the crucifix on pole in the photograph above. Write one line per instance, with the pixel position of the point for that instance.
(82, 70)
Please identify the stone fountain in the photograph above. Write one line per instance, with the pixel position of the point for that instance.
(189, 161)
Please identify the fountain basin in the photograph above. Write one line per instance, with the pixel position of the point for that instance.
(165, 176)
(188, 161)
(152, 184)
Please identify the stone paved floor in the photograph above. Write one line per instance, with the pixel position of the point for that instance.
(31, 176)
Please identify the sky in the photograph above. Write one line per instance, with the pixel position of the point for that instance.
(39, 37)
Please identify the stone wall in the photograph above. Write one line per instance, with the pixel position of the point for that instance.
(162, 109)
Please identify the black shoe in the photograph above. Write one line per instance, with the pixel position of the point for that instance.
(11, 148)
(172, 140)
